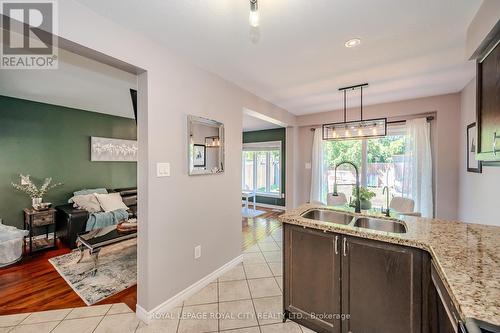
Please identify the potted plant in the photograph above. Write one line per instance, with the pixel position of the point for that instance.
(365, 195)
(35, 193)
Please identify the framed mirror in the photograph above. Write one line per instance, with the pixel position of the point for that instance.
(205, 146)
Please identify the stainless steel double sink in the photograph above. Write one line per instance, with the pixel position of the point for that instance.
(357, 221)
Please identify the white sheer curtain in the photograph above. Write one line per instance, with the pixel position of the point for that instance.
(317, 174)
(417, 171)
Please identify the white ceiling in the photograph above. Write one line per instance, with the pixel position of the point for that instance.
(255, 124)
(79, 83)
(409, 48)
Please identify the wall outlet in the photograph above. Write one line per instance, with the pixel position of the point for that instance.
(197, 252)
(162, 169)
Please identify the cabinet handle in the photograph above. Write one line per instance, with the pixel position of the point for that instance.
(336, 244)
(344, 246)
(495, 137)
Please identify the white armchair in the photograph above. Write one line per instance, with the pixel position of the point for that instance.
(404, 206)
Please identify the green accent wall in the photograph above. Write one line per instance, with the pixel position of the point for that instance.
(45, 140)
(278, 134)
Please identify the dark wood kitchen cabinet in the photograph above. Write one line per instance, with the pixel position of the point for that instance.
(377, 284)
(312, 278)
(488, 101)
(443, 315)
(381, 287)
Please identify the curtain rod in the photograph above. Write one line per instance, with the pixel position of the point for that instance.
(429, 119)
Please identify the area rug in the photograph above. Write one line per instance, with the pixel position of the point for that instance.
(116, 271)
(251, 213)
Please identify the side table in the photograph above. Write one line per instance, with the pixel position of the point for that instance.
(33, 220)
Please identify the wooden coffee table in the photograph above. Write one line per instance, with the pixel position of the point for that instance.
(94, 240)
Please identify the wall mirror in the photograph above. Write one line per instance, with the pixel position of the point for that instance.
(205, 146)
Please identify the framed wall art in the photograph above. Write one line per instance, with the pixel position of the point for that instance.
(113, 150)
(199, 155)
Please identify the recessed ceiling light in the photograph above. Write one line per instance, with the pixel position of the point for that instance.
(352, 42)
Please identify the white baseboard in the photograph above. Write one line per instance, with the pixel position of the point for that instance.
(141, 313)
(177, 299)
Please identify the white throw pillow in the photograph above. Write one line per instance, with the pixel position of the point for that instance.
(88, 202)
(110, 202)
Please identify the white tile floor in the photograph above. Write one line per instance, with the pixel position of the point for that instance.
(100, 318)
(247, 299)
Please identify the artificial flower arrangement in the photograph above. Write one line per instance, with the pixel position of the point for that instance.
(35, 193)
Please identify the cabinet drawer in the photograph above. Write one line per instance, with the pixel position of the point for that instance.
(41, 220)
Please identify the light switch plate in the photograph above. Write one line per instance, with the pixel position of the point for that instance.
(308, 166)
(162, 169)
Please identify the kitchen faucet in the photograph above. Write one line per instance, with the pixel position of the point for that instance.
(358, 201)
(387, 211)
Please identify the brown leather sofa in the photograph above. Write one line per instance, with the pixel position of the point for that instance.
(71, 221)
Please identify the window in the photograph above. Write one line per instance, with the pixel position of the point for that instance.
(262, 168)
(384, 166)
(336, 152)
(379, 160)
(248, 170)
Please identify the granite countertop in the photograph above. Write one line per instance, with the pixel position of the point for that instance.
(467, 256)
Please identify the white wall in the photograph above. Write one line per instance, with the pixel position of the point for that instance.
(175, 212)
(444, 137)
(478, 192)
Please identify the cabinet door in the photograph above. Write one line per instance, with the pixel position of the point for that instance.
(381, 287)
(444, 317)
(312, 278)
(488, 106)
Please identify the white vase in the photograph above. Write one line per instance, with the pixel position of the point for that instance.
(36, 201)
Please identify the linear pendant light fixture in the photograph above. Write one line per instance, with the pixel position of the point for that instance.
(357, 129)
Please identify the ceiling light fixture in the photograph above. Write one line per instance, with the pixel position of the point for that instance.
(359, 128)
(253, 19)
(352, 42)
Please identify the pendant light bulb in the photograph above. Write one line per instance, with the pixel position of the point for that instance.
(253, 18)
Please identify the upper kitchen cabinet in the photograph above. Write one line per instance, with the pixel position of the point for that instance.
(488, 98)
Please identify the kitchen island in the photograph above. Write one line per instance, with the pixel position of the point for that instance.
(339, 276)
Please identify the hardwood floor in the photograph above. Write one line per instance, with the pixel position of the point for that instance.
(34, 285)
(260, 227)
